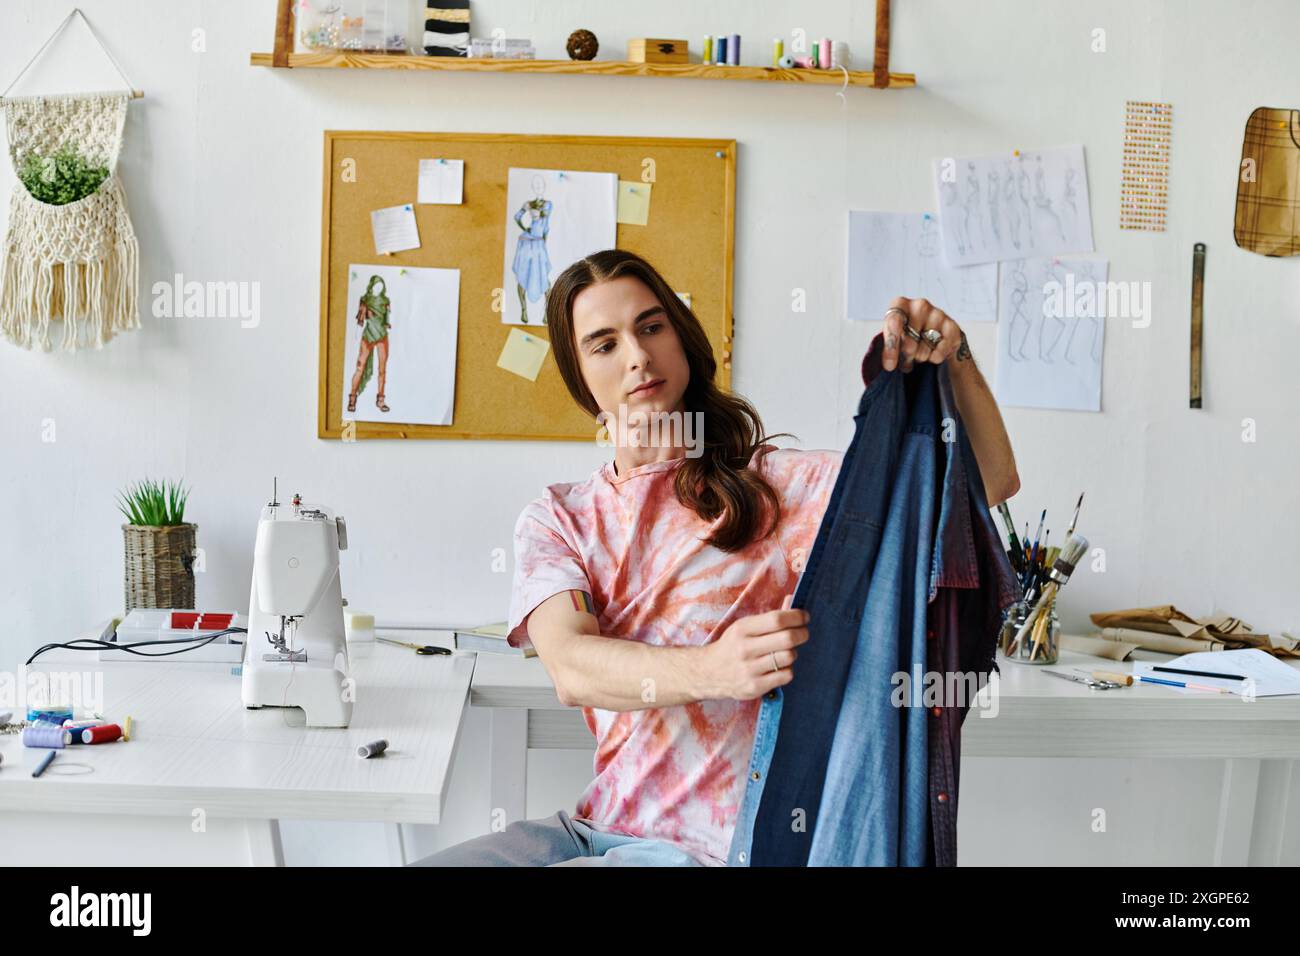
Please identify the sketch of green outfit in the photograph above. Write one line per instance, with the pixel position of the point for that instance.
(373, 311)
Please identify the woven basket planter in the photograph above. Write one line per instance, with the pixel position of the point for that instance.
(159, 565)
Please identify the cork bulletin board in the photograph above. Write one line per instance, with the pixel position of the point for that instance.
(688, 238)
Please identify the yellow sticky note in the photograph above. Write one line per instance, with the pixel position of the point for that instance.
(633, 202)
(523, 354)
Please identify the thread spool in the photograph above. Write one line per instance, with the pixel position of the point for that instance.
(103, 734)
(53, 715)
(806, 62)
(786, 62)
(372, 749)
(778, 51)
(707, 54)
(50, 737)
(720, 51)
(824, 53)
(839, 55)
(733, 50)
(81, 724)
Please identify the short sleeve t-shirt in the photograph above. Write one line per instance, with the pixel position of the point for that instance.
(675, 774)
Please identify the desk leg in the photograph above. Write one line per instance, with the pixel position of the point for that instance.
(264, 847)
(396, 846)
(508, 773)
(1236, 812)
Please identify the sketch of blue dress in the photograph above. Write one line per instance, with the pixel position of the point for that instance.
(532, 265)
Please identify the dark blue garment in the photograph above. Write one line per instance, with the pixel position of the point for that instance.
(909, 497)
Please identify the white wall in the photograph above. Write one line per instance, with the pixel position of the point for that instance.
(222, 169)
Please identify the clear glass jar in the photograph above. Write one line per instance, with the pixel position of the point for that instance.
(1041, 645)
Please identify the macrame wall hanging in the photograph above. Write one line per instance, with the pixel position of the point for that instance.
(70, 255)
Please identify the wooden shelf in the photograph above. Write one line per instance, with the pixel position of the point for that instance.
(698, 71)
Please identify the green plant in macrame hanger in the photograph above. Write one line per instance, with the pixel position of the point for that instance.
(61, 177)
(153, 503)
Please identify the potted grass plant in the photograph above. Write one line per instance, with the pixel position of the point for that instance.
(159, 543)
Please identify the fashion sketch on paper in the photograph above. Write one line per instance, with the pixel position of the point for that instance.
(373, 311)
(532, 265)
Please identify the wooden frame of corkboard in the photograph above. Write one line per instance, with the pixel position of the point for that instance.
(689, 238)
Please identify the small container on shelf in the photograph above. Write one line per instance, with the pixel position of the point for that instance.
(360, 26)
(318, 25)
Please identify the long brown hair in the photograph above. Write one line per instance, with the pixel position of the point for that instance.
(718, 482)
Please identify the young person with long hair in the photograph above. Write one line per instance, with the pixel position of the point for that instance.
(656, 591)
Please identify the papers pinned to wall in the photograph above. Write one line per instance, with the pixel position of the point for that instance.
(442, 181)
(1011, 206)
(554, 217)
(893, 254)
(633, 202)
(523, 354)
(1051, 332)
(394, 229)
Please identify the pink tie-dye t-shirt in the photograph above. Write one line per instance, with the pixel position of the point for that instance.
(675, 774)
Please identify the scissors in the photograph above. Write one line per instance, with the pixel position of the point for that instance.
(1095, 684)
(424, 650)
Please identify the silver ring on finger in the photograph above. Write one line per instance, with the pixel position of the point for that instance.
(775, 666)
(932, 337)
(895, 308)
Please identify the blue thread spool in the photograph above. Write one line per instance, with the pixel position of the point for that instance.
(51, 737)
(53, 715)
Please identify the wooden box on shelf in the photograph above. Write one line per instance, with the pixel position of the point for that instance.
(643, 50)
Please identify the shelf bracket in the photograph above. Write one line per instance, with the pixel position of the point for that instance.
(283, 33)
(880, 61)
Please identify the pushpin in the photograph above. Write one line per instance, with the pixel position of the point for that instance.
(1015, 152)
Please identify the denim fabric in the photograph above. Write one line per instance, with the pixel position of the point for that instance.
(907, 430)
(873, 805)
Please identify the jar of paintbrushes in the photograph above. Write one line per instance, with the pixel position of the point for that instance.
(1031, 630)
(1042, 643)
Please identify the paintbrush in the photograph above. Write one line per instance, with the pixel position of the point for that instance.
(1073, 521)
(1011, 538)
(1075, 547)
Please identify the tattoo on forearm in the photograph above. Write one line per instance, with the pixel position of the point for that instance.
(963, 350)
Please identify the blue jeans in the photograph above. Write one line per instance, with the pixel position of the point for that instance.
(558, 840)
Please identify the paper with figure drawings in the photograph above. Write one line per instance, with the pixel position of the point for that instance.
(1013, 206)
(1051, 333)
(897, 253)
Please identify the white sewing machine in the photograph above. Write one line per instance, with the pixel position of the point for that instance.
(295, 653)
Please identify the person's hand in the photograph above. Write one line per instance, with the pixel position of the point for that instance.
(920, 316)
(755, 653)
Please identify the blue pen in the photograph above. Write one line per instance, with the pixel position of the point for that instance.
(49, 757)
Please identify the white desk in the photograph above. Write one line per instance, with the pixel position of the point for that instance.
(1037, 716)
(204, 781)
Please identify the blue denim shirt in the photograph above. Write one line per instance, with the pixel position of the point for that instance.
(907, 430)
